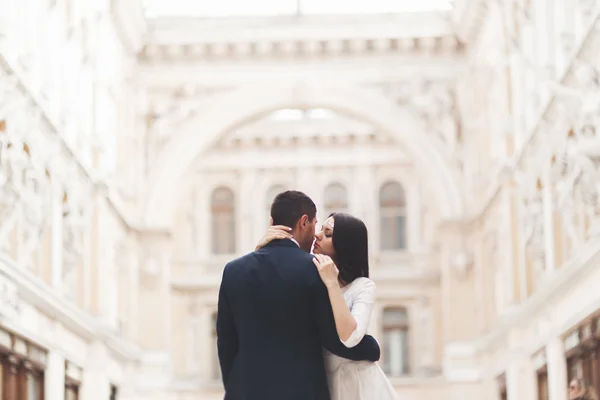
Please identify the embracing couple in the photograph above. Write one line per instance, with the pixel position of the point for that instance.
(292, 325)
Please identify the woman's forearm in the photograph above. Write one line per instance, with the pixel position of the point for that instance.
(345, 323)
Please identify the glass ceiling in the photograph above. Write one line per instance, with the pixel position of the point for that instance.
(260, 8)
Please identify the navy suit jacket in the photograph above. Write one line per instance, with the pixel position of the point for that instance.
(273, 321)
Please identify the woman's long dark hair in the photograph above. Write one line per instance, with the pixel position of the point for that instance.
(351, 244)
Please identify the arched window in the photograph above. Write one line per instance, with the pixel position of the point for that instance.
(392, 208)
(222, 207)
(395, 342)
(271, 194)
(336, 199)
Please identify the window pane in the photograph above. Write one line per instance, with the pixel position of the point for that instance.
(336, 199)
(392, 195)
(223, 221)
(400, 227)
(393, 233)
(395, 317)
(395, 344)
(223, 233)
(222, 197)
(32, 389)
(395, 341)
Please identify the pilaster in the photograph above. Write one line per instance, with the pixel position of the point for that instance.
(95, 384)
(557, 369)
(154, 302)
(521, 379)
(54, 377)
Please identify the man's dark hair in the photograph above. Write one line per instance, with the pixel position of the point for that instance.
(289, 206)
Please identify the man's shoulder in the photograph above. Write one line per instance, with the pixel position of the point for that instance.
(237, 262)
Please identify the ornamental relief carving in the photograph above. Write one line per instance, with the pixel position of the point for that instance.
(33, 164)
(576, 157)
(434, 103)
(532, 225)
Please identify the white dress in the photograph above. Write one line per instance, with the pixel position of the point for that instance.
(357, 380)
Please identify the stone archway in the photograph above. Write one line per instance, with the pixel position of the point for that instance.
(234, 108)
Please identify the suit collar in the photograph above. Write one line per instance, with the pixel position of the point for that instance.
(283, 243)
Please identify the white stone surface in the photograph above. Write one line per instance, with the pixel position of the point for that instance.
(115, 130)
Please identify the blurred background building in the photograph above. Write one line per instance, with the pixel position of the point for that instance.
(142, 143)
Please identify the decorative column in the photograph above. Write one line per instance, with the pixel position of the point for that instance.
(154, 303)
(205, 343)
(247, 206)
(521, 379)
(305, 177)
(425, 335)
(557, 369)
(154, 308)
(364, 201)
(54, 377)
(459, 325)
(203, 216)
(95, 384)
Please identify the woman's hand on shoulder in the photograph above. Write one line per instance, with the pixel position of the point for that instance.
(327, 270)
(274, 233)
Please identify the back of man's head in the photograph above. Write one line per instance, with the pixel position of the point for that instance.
(289, 206)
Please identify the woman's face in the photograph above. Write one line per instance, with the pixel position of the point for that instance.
(574, 389)
(324, 239)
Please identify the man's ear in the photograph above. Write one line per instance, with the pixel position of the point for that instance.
(270, 221)
(303, 220)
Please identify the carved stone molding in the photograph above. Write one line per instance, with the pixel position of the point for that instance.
(468, 18)
(434, 103)
(299, 48)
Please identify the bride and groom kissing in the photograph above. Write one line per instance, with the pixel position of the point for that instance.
(292, 325)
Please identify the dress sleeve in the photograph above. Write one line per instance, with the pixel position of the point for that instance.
(361, 311)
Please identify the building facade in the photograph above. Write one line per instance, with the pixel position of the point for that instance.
(140, 152)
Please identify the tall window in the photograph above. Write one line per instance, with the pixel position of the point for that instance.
(542, 384)
(22, 367)
(395, 342)
(336, 199)
(72, 381)
(216, 367)
(392, 208)
(271, 193)
(223, 221)
(583, 355)
(502, 392)
(114, 392)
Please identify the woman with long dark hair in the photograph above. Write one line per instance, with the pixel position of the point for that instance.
(341, 252)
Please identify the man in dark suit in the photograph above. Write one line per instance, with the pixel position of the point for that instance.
(274, 316)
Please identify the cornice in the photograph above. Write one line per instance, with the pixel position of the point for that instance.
(280, 28)
(44, 298)
(576, 270)
(300, 49)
